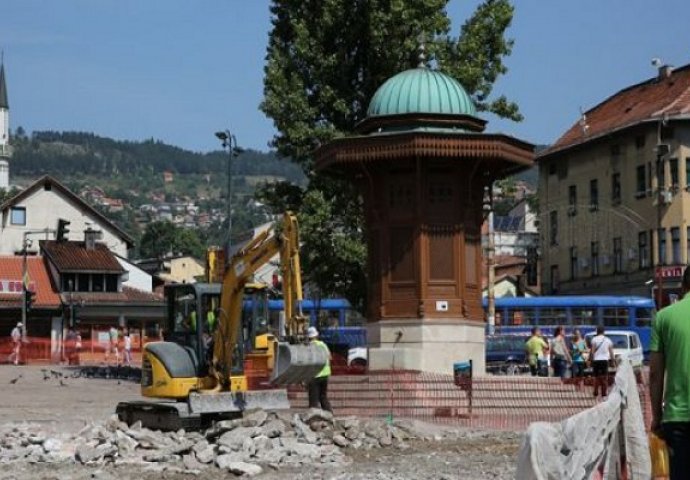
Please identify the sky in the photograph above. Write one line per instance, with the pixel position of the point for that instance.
(180, 70)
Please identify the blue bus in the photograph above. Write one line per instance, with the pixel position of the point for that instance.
(520, 314)
(338, 323)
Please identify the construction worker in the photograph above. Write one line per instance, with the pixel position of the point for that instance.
(669, 380)
(318, 386)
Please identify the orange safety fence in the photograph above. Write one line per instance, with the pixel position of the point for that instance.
(38, 350)
(491, 402)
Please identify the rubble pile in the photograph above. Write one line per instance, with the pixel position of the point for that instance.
(243, 446)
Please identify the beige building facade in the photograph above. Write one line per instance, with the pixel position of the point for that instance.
(614, 194)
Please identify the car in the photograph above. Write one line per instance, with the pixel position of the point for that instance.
(506, 354)
(626, 344)
(357, 356)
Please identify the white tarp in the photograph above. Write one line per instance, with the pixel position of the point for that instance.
(574, 449)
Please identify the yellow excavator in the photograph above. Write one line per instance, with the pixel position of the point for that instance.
(197, 374)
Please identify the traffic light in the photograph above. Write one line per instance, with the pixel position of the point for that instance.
(62, 230)
(29, 298)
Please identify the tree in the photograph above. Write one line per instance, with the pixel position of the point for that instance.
(325, 61)
(165, 238)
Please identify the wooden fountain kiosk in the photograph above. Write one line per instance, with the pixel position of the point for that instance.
(422, 162)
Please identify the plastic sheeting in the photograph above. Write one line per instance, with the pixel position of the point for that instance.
(602, 442)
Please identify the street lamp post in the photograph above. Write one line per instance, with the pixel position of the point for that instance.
(230, 142)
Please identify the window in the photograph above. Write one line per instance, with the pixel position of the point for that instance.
(554, 279)
(353, 318)
(572, 200)
(111, 283)
(641, 183)
(673, 168)
(519, 316)
(616, 188)
(662, 246)
(553, 224)
(644, 317)
(97, 283)
(573, 263)
(595, 258)
(643, 250)
(687, 173)
(675, 245)
(593, 194)
(82, 282)
(615, 317)
(584, 315)
(649, 176)
(68, 282)
(651, 247)
(615, 150)
(639, 142)
(552, 168)
(532, 266)
(667, 133)
(617, 255)
(553, 316)
(18, 216)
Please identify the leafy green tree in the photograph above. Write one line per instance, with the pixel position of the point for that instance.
(165, 238)
(325, 61)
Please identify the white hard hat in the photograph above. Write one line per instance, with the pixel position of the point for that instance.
(20, 324)
(312, 332)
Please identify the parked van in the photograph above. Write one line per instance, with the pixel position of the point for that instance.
(626, 344)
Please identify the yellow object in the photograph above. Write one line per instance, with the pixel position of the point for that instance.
(658, 451)
(186, 369)
(326, 371)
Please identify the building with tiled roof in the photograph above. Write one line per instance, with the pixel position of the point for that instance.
(46, 306)
(614, 192)
(42, 204)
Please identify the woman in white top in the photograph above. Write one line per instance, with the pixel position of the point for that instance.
(601, 355)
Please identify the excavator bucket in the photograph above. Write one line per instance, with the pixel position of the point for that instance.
(297, 363)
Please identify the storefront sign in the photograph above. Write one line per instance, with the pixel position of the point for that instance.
(14, 286)
(670, 272)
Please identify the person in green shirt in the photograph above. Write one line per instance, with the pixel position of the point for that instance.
(669, 380)
(535, 346)
(318, 386)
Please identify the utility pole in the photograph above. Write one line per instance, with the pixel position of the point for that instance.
(490, 260)
(230, 142)
(25, 245)
(661, 150)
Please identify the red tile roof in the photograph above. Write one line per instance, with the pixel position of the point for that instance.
(74, 257)
(11, 271)
(650, 100)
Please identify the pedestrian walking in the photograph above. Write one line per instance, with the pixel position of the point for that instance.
(112, 347)
(16, 336)
(669, 380)
(578, 354)
(127, 338)
(535, 347)
(318, 386)
(601, 354)
(561, 354)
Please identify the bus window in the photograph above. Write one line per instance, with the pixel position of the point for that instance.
(615, 317)
(584, 315)
(521, 316)
(553, 316)
(644, 317)
(327, 319)
(353, 318)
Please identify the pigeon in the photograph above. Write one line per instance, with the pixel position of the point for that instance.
(62, 384)
(15, 380)
(56, 374)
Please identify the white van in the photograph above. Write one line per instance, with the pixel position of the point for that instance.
(626, 344)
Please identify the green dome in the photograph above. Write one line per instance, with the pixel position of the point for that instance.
(421, 90)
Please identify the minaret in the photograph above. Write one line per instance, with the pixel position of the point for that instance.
(5, 150)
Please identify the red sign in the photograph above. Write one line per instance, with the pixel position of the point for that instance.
(14, 286)
(670, 272)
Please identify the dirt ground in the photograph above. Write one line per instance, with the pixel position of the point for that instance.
(61, 404)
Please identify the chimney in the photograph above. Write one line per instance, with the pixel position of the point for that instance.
(90, 237)
(665, 71)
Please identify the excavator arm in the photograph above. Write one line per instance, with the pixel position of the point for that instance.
(239, 271)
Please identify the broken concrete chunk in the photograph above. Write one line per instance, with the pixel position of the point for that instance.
(52, 445)
(255, 418)
(205, 455)
(244, 468)
(273, 429)
(234, 438)
(340, 441)
(316, 414)
(225, 460)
